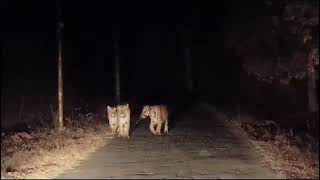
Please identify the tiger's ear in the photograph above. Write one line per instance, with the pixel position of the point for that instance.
(108, 107)
(127, 105)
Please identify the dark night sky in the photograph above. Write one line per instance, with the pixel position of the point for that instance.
(149, 32)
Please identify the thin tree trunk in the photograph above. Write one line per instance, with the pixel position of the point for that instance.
(3, 84)
(189, 82)
(60, 72)
(188, 61)
(21, 108)
(312, 92)
(312, 86)
(117, 71)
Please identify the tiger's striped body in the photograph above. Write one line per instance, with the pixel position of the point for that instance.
(113, 119)
(158, 115)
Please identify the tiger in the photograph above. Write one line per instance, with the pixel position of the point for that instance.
(158, 115)
(113, 120)
(123, 112)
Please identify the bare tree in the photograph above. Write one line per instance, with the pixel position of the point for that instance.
(303, 19)
(117, 67)
(21, 107)
(3, 83)
(313, 60)
(189, 81)
(188, 61)
(59, 125)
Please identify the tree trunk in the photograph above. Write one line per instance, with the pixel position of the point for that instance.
(312, 86)
(312, 93)
(188, 61)
(21, 108)
(117, 71)
(189, 81)
(59, 124)
(3, 84)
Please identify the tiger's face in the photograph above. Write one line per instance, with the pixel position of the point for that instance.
(123, 111)
(124, 120)
(112, 111)
(145, 112)
(113, 118)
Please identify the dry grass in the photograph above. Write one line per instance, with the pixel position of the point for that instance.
(294, 155)
(44, 153)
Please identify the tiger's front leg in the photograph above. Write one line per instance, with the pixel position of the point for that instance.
(166, 127)
(117, 130)
(159, 124)
(120, 130)
(126, 129)
(151, 127)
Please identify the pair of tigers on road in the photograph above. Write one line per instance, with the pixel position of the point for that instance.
(119, 119)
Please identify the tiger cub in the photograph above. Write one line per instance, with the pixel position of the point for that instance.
(113, 120)
(158, 115)
(123, 112)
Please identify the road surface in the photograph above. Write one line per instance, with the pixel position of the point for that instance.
(198, 146)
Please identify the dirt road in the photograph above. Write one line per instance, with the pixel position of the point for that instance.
(198, 146)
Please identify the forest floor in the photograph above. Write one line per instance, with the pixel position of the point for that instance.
(291, 152)
(43, 153)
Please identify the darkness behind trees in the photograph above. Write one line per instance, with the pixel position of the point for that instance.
(152, 37)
